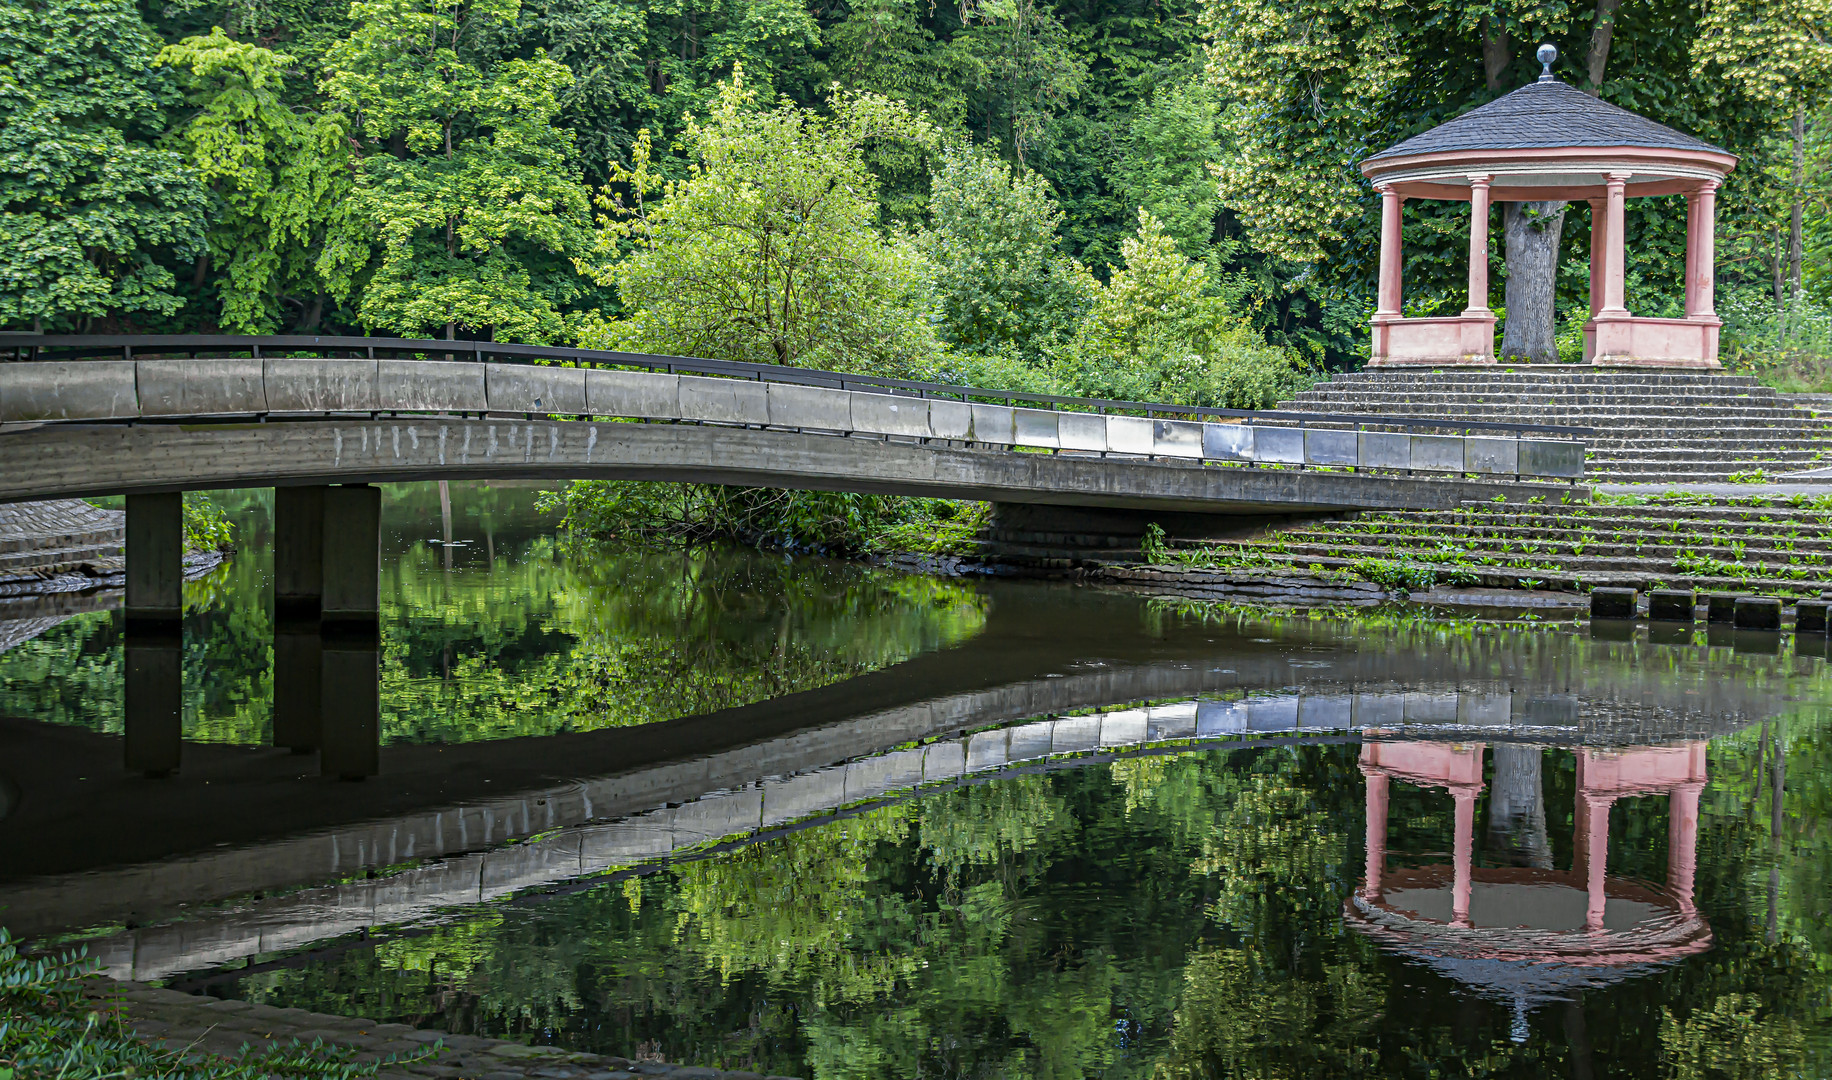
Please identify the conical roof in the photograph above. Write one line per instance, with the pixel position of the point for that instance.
(1542, 115)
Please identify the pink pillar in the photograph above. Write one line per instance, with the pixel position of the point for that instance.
(1388, 298)
(1615, 269)
(1701, 252)
(1465, 844)
(1682, 841)
(1593, 852)
(1692, 254)
(1377, 832)
(1599, 251)
(1478, 246)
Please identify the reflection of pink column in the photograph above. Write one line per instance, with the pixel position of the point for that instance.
(1377, 832)
(1615, 291)
(1388, 296)
(1465, 843)
(1592, 851)
(1478, 246)
(1682, 842)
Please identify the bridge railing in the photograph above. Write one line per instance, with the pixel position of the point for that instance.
(49, 378)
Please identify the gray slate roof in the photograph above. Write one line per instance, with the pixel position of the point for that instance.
(1542, 115)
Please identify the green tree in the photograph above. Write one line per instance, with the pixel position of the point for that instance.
(767, 251)
(1174, 142)
(1002, 281)
(91, 214)
(470, 185)
(286, 225)
(1158, 331)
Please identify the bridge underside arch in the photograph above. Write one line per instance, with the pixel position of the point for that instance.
(73, 460)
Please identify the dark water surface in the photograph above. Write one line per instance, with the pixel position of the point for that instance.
(803, 817)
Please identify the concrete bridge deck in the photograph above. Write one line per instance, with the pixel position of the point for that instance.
(74, 423)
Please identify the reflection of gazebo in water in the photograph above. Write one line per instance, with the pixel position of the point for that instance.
(1530, 934)
(1551, 141)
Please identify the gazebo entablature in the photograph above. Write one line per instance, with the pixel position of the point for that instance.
(1549, 141)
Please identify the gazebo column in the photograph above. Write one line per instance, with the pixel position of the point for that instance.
(1592, 856)
(1615, 269)
(1388, 297)
(1599, 258)
(1478, 247)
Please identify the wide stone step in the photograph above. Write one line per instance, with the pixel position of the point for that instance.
(1574, 546)
(1683, 454)
(1656, 567)
(1598, 398)
(1494, 577)
(44, 561)
(28, 542)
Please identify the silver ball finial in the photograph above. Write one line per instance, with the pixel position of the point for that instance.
(1547, 54)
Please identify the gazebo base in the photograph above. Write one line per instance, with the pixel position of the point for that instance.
(1629, 341)
(1456, 340)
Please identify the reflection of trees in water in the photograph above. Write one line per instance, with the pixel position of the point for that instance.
(1177, 917)
(568, 641)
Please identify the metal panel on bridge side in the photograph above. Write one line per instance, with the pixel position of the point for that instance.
(1327, 447)
(430, 386)
(992, 424)
(1437, 453)
(1176, 438)
(724, 401)
(1383, 450)
(1545, 457)
(528, 388)
(950, 419)
(1036, 427)
(296, 385)
(1491, 456)
(640, 395)
(1129, 435)
(890, 414)
(816, 407)
(1227, 442)
(200, 387)
(1081, 431)
(1279, 445)
(91, 390)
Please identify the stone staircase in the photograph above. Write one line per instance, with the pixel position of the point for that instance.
(40, 540)
(1651, 426)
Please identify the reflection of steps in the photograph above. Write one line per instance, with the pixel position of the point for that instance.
(1650, 426)
(60, 536)
(1772, 550)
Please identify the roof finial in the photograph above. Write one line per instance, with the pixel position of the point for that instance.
(1547, 54)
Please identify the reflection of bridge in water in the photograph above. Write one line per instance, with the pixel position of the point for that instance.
(1530, 934)
(241, 820)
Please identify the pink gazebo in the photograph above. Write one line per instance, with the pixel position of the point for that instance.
(1551, 141)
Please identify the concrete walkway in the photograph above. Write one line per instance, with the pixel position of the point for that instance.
(203, 1025)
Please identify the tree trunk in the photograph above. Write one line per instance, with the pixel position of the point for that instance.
(1517, 808)
(1602, 31)
(1796, 245)
(1533, 231)
(1495, 55)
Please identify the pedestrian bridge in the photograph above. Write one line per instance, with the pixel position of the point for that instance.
(124, 415)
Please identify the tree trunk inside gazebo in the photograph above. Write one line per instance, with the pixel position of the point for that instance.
(1533, 230)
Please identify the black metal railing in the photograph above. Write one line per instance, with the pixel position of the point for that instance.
(18, 347)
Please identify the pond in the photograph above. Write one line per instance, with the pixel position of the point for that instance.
(822, 819)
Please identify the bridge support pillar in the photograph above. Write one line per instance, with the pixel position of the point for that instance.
(350, 700)
(298, 685)
(155, 558)
(352, 558)
(153, 697)
(298, 553)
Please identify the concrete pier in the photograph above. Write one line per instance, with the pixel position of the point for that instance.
(352, 558)
(155, 557)
(298, 685)
(298, 552)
